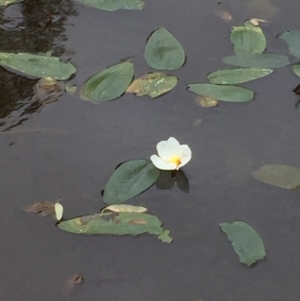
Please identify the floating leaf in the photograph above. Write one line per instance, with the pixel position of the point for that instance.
(71, 89)
(59, 211)
(248, 39)
(109, 84)
(43, 209)
(37, 65)
(125, 208)
(237, 76)
(206, 102)
(296, 69)
(122, 223)
(245, 241)
(152, 84)
(7, 2)
(283, 176)
(224, 93)
(113, 5)
(163, 51)
(265, 60)
(129, 180)
(292, 38)
(164, 237)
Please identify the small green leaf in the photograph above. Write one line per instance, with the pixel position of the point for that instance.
(152, 84)
(71, 89)
(248, 39)
(129, 180)
(224, 93)
(265, 60)
(245, 241)
(292, 38)
(282, 176)
(163, 51)
(109, 84)
(164, 237)
(7, 2)
(237, 76)
(113, 5)
(296, 69)
(122, 223)
(37, 65)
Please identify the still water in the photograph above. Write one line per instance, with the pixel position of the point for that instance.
(68, 148)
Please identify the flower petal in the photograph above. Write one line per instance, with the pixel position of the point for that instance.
(168, 149)
(161, 164)
(186, 155)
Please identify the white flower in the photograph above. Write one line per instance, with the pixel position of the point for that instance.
(171, 155)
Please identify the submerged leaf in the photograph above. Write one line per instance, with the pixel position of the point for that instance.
(245, 241)
(43, 209)
(122, 223)
(265, 60)
(109, 84)
(282, 176)
(152, 84)
(129, 180)
(248, 39)
(237, 76)
(292, 38)
(125, 208)
(206, 102)
(224, 93)
(113, 5)
(37, 65)
(163, 51)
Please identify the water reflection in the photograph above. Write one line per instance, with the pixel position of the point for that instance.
(167, 180)
(35, 26)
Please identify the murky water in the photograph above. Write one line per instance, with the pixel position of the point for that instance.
(69, 148)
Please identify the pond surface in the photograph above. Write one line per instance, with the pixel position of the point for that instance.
(68, 149)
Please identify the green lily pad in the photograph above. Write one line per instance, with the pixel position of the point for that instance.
(164, 237)
(282, 176)
(296, 69)
(237, 76)
(113, 5)
(292, 38)
(163, 51)
(113, 223)
(265, 60)
(37, 65)
(129, 180)
(224, 93)
(109, 84)
(245, 241)
(7, 2)
(248, 39)
(152, 84)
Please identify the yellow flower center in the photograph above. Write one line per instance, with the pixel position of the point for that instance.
(175, 159)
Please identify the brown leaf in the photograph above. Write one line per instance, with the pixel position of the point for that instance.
(206, 102)
(138, 222)
(43, 209)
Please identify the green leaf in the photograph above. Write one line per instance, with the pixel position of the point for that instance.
(237, 76)
(296, 69)
(164, 237)
(129, 180)
(163, 51)
(224, 93)
(248, 39)
(122, 223)
(113, 5)
(282, 176)
(109, 84)
(245, 241)
(152, 84)
(37, 65)
(292, 38)
(7, 2)
(265, 60)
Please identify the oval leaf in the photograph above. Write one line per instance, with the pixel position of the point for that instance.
(109, 84)
(59, 211)
(237, 76)
(129, 180)
(282, 176)
(224, 93)
(163, 51)
(37, 65)
(248, 39)
(152, 84)
(113, 5)
(123, 223)
(292, 38)
(296, 69)
(125, 208)
(245, 241)
(265, 60)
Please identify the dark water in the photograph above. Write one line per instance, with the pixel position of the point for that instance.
(68, 150)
